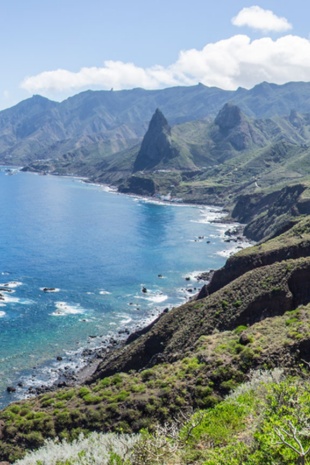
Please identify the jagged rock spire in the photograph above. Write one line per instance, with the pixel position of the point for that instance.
(156, 145)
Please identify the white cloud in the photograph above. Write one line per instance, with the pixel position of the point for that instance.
(227, 64)
(114, 74)
(257, 18)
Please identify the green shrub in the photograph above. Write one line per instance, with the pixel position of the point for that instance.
(84, 391)
(240, 329)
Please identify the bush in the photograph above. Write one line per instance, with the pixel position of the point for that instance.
(96, 449)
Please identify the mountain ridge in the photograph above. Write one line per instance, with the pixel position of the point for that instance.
(125, 115)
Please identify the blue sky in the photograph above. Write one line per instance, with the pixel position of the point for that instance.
(58, 48)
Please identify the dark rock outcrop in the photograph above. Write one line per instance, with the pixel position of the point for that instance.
(294, 244)
(235, 132)
(139, 185)
(271, 214)
(229, 117)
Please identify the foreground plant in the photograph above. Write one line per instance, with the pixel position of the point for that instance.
(96, 449)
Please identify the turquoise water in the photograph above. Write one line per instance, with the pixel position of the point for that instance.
(98, 250)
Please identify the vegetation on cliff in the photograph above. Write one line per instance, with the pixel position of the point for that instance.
(263, 421)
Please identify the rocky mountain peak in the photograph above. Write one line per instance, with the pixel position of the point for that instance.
(229, 116)
(156, 146)
(158, 123)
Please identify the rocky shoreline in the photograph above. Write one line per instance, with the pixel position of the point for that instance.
(89, 359)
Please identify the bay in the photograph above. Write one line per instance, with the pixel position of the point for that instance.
(97, 250)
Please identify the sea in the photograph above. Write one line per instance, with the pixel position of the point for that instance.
(80, 263)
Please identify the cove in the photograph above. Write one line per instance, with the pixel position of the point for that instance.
(74, 260)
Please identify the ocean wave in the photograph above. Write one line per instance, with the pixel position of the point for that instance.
(103, 292)
(12, 284)
(2, 314)
(8, 299)
(63, 309)
(232, 250)
(125, 318)
(155, 298)
(209, 215)
(193, 275)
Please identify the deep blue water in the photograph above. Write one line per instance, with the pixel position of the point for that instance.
(98, 249)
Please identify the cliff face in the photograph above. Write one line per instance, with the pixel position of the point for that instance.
(262, 293)
(293, 244)
(258, 283)
(235, 130)
(268, 214)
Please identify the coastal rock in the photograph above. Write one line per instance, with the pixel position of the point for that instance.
(140, 185)
(256, 257)
(11, 389)
(268, 215)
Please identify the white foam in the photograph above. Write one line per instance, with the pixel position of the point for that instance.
(11, 284)
(104, 292)
(2, 314)
(232, 250)
(8, 299)
(106, 188)
(63, 309)
(209, 215)
(125, 318)
(156, 298)
(193, 275)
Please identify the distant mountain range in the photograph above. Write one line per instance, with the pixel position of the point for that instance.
(198, 136)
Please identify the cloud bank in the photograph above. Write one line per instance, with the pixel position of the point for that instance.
(260, 19)
(231, 63)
